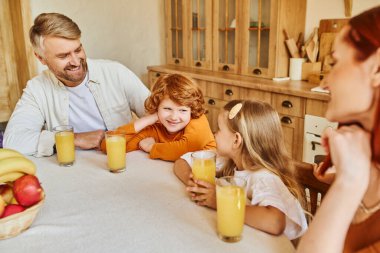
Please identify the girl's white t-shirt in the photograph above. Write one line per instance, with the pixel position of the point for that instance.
(266, 189)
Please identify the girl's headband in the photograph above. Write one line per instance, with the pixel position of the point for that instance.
(235, 110)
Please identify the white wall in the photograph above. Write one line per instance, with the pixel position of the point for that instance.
(133, 31)
(332, 9)
(129, 31)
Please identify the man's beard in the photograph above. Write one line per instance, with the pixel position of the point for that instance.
(65, 75)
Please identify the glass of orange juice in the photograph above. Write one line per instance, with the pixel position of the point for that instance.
(64, 143)
(203, 165)
(116, 147)
(230, 206)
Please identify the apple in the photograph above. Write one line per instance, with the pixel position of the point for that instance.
(27, 190)
(6, 192)
(2, 206)
(12, 209)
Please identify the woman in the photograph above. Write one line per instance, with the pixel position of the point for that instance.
(349, 218)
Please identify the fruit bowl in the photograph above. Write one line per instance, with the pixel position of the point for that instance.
(15, 224)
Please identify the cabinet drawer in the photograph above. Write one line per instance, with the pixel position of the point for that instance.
(214, 103)
(316, 107)
(290, 105)
(202, 84)
(255, 94)
(213, 107)
(222, 91)
(293, 135)
(153, 75)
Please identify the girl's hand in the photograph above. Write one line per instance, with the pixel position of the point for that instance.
(203, 193)
(191, 181)
(350, 152)
(147, 144)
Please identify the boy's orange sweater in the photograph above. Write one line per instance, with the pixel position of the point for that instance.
(195, 136)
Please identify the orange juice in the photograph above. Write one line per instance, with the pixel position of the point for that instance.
(64, 143)
(230, 200)
(204, 170)
(116, 155)
(204, 165)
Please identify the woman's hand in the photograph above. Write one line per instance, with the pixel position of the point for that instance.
(350, 152)
(147, 144)
(203, 193)
(327, 177)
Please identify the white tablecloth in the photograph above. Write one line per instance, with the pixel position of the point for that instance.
(144, 209)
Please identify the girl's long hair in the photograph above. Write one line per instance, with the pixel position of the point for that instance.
(262, 142)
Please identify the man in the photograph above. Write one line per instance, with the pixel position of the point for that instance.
(91, 95)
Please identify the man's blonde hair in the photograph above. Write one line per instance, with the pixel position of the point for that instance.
(54, 25)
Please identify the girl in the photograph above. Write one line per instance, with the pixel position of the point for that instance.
(250, 137)
(348, 219)
(176, 123)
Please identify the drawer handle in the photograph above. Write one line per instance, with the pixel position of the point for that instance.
(198, 64)
(176, 61)
(158, 74)
(286, 120)
(211, 102)
(257, 71)
(226, 68)
(229, 92)
(287, 104)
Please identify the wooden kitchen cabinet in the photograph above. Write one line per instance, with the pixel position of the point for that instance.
(176, 32)
(213, 107)
(292, 128)
(17, 62)
(199, 15)
(316, 107)
(189, 33)
(234, 36)
(152, 77)
(226, 30)
(263, 51)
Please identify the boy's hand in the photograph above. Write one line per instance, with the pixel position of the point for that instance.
(203, 193)
(152, 118)
(145, 121)
(147, 144)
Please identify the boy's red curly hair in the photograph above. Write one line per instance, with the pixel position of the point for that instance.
(180, 89)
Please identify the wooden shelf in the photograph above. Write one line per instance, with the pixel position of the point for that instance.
(257, 29)
(176, 29)
(198, 28)
(229, 29)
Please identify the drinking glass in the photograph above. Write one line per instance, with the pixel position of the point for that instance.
(116, 156)
(64, 143)
(230, 206)
(204, 165)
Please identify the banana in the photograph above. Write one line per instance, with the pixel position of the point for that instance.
(6, 152)
(17, 164)
(10, 177)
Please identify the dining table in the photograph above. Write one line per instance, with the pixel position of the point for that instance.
(143, 209)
